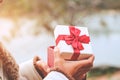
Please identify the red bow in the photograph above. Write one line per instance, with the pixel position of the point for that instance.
(75, 40)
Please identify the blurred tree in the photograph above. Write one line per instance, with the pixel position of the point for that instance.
(59, 11)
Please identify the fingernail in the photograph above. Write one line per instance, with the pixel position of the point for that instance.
(38, 62)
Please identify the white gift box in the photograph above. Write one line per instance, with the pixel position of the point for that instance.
(67, 51)
(64, 47)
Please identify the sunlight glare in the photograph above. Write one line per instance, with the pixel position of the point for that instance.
(5, 26)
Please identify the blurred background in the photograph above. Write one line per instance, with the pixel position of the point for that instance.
(26, 29)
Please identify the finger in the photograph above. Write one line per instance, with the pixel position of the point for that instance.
(84, 63)
(81, 71)
(43, 67)
(58, 60)
(84, 77)
(56, 52)
(80, 77)
(36, 58)
(83, 56)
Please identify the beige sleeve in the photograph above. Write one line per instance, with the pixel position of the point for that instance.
(28, 71)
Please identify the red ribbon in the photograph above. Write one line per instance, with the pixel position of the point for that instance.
(75, 40)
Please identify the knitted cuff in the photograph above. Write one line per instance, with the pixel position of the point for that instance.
(67, 75)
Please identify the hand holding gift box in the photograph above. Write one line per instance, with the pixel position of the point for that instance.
(73, 42)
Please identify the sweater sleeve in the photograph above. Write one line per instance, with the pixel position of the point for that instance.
(28, 71)
(54, 75)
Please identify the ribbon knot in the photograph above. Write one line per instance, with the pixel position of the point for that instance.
(74, 39)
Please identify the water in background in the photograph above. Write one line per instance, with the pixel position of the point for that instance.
(105, 40)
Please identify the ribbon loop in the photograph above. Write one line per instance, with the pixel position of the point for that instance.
(74, 39)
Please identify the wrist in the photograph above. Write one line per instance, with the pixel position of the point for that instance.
(66, 74)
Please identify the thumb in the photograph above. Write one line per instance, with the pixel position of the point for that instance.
(56, 52)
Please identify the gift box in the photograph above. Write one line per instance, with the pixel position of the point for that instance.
(50, 56)
(73, 42)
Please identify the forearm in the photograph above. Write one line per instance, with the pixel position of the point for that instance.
(28, 71)
(10, 67)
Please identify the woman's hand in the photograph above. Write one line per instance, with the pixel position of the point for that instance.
(76, 69)
(42, 68)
